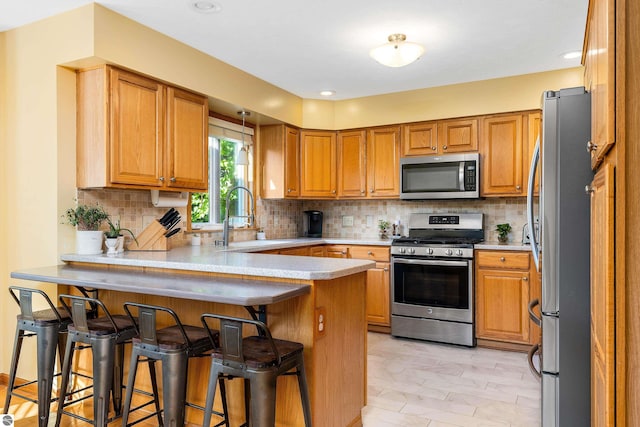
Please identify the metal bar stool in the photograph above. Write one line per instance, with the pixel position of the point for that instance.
(105, 335)
(259, 360)
(49, 326)
(173, 346)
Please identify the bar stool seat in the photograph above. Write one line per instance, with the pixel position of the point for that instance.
(105, 336)
(49, 326)
(259, 360)
(173, 346)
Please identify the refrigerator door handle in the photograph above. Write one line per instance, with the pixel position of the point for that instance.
(532, 315)
(532, 351)
(535, 249)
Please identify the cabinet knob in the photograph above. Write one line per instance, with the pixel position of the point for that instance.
(362, 192)
(433, 148)
(525, 279)
(172, 179)
(502, 259)
(385, 269)
(161, 179)
(333, 191)
(343, 252)
(369, 253)
(372, 191)
(591, 146)
(444, 147)
(518, 187)
(588, 189)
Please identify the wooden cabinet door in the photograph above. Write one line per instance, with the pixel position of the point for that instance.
(534, 126)
(602, 299)
(455, 136)
(378, 305)
(318, 164)
(279, 161)
(600, 76)
(502, 160)
(291, 162)
(502, 298)
(304, 251)
(137, 119)
(383, 162)
(187, 140)
(318, 251)
(352, 175)
(419, 139)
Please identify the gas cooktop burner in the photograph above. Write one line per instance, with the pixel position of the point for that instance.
(452, 242)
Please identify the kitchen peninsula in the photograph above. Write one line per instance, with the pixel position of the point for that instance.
(319, 302)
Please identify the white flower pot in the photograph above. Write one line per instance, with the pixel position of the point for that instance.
(89, 242)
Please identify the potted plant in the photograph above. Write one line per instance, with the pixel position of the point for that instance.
(87, 220)
(383, 227)
(503, 232)
(114, 238)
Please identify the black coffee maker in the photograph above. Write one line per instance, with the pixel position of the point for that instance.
(312, 224)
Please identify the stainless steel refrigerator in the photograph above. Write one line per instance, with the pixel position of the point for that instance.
(562, 253)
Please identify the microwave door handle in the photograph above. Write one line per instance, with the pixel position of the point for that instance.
(535, 249)
(461, 175)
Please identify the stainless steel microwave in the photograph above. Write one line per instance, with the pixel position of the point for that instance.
(452, 176)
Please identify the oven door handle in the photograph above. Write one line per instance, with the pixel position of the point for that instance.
(430, 262)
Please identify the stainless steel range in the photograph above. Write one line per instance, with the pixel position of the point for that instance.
(432, 278)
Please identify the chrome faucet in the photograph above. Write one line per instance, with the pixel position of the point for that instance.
(225, 223)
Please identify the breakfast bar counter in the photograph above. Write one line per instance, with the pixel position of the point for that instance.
(319, 302)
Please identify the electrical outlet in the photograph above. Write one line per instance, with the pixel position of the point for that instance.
(347, 221)
(369, 220)
(321, 321)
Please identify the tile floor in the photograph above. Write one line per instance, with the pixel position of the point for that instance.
(415, 383)
(419, 384)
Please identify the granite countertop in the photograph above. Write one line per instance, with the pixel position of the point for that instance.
(235, 260)
(224, 290)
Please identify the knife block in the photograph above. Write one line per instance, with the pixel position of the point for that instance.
(151, 239)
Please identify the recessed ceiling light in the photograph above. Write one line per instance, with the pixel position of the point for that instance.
(205, 6)
(572, 55)
(328, 92)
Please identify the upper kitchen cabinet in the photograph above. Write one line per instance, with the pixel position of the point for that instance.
(280, 161)
(437, 138)
(136, 132)
(506, 146)
(599, 76)
(383, 162)
(368, 163)
(318, 164)
(352, 173)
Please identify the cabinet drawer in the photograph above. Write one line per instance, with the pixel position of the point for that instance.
(374, 253)
(503, 259)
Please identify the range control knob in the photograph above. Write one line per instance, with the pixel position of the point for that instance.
(402, 250)
(449, 252)
(412, 251)
(460, 252)
(430, 251)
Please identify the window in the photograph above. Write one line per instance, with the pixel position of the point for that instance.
(208, 209)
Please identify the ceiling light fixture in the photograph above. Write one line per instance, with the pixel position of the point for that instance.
(328, 92)
(243, 154)
(205, 6)
(398, 52)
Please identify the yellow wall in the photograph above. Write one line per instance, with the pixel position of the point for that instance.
(468, 99)
(37, 117)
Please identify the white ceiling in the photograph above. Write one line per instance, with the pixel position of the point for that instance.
(306, 46)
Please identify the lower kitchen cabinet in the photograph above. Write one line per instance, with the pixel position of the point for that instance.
(378, 304)
(503, 291)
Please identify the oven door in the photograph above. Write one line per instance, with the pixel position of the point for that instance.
(432, 288)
